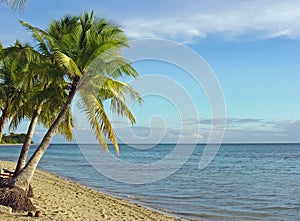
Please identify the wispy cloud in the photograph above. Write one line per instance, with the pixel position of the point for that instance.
(233, 20)
(278, 131)
(229, 121)
(237, 130)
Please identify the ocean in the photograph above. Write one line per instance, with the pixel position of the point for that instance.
(243, 182)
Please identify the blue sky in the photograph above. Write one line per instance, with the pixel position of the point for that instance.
(252, 47)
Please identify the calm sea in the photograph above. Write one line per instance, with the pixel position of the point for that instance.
(243, 182)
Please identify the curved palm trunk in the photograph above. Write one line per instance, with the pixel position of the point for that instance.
(3, 120)
(26, 145)
(23, 179)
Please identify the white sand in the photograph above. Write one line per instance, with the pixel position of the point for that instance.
(59, 199)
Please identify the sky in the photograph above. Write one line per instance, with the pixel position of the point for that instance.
(250, 49)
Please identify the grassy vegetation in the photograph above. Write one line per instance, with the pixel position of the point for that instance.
(13, 138)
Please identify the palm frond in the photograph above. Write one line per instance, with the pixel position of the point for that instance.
(15, 4)
(65, 128)
(67, 64)
(36, 34)
(99, 121)
(87, 107)
(117, 91)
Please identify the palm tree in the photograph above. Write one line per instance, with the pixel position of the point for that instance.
(15, 4)
(42, 95)
(88, 51)
(11, 96)
(4, 91)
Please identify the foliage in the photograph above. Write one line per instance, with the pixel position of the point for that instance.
(75, 55)
(88, 51)
(14, 138)
(36, 77)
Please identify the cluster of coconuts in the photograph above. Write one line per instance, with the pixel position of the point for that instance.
(37, 214)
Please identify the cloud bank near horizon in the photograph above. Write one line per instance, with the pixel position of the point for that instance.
(189, 21)
(238, 130)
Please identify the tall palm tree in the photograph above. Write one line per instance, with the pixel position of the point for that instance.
(88, 51)
(15, 4)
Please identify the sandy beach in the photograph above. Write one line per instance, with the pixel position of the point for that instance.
(60, 199)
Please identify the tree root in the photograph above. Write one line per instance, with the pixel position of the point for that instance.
(16, 198)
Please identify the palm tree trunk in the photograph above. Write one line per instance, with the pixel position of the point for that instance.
(28, 140)
(3, 120)
(23, 179)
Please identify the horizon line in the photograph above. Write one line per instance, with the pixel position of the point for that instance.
(177, 143)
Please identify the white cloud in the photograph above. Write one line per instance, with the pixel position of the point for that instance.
(248, 20)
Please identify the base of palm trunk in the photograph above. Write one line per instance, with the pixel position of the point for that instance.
(16, 198)
(30, 191)
(4, 182)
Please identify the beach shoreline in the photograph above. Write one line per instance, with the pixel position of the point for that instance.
(61, 199)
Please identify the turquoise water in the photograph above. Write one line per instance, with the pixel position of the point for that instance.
(243, 182)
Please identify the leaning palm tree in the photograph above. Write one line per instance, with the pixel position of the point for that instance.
(88, 51)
